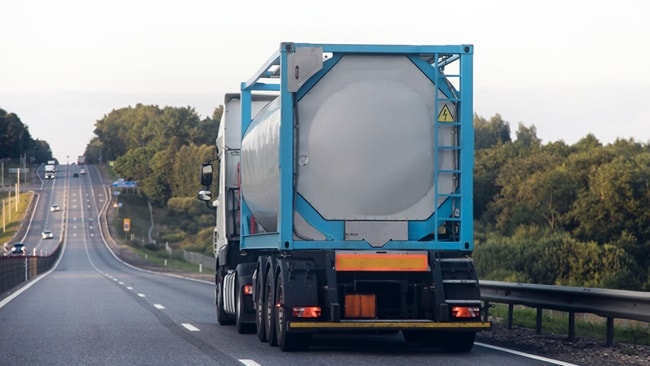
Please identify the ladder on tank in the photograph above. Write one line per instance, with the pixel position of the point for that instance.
(449, 223)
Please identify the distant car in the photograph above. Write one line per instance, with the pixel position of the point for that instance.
(82, 171)
(55, 208)
(18, 249)
(75, 175)
(47, 234)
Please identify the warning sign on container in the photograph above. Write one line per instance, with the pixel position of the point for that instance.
(445, 115)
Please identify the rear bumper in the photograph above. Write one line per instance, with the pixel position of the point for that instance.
(388, 325)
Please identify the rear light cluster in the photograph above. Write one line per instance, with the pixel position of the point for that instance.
(306, 312)
(465, 312)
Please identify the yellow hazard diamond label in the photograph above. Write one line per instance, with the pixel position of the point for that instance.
(445, 115)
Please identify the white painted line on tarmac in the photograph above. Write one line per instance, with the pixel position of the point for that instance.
(527, 355)
(249, 362)
(129, 288)
(190, 327)
(141, 295)
(158, 306)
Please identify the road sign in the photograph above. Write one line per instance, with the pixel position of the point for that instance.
(127, 224)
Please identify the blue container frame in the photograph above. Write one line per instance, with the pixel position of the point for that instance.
(457, 207)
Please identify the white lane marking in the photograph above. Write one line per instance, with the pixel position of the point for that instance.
(121, 283)
(249, 362)
(141, 294)
(158, 306)
(130, 287)
(527, 355)
(190, 327)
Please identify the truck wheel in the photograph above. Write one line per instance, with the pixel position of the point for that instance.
(258, 297)
(269, 309)
(222, 317)
(288, 342)
(239, 305)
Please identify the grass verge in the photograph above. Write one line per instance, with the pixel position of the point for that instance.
(10, 218)
(132, 205)
(161, 258)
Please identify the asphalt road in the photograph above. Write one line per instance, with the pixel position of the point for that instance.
(93, 309)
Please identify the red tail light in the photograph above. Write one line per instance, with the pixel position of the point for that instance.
(465, 312)
(306, 311)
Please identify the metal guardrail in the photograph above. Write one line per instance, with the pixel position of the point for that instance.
(14, 270)
(610, 304)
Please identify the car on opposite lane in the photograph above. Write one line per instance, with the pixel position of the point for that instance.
(18, 249)
(47, 234)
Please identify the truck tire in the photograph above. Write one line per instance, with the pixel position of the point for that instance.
(258, 297)
(269, 309)
(288, 342)
(223, 318)
(242, 328)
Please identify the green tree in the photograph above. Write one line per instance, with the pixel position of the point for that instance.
(94, 151)
(550, 195)
(41, 151)
(15, 139)
(488, 165)
(113, 132)
(185, 169)
(616, 200)
(135, 164)
(205, 133)
(527, 136)
(490, 133)
(156, 185)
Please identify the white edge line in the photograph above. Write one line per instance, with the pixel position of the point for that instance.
(249, 362)
(21, 290)
(190, 327)
(527, 355)
(158, 306)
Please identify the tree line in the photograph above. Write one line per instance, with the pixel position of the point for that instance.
(561, 214)
(544, 213)
(16, 141)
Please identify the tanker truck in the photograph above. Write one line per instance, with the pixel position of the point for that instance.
(344, 196)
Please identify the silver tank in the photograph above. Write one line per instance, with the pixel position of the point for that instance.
(365, 145)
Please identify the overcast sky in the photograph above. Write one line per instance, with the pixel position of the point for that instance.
(568, 67)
